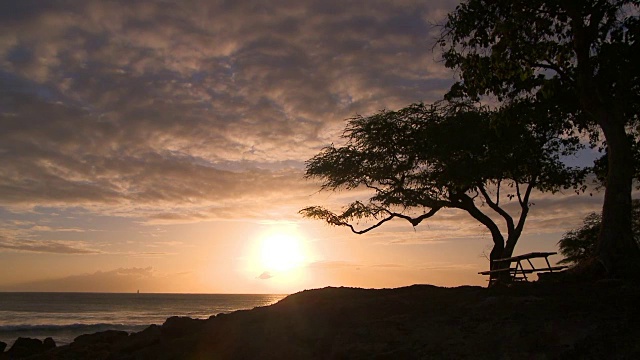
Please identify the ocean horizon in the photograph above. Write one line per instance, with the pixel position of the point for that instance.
(64, 316)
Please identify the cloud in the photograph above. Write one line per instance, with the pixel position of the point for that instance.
(147, 254)
(266, 275)
(47, 246)
(55, 229)
(171, 112)
(387, 266)
(27, 242)
(196, 103)
(333, 264)
(447, 266)
(117, 280)
(328, 265)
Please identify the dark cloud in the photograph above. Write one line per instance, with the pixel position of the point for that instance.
(47, 246)
(118, 280)
(195, 103)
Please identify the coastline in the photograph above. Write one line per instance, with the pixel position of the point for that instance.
(64, 316)
(421, 321)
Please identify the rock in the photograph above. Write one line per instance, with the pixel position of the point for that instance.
(48, 344)
(610, 283)
(24, 347)
(536, 321)
(145, 338)
(103, 337)
(178, 326)
(555, 276)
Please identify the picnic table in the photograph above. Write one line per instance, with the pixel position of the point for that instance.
(519, 271)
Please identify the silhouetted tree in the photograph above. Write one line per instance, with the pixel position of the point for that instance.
(579, 245)
(424, 158)
(601, 165)
(581, 55)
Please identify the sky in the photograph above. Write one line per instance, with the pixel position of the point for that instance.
(160, 146)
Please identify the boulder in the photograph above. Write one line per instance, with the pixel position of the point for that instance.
(24, 347)
(147, 337)
(178, 326)
(103, 337)
(48, 344)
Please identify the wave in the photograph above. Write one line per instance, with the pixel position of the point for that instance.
(83, 328)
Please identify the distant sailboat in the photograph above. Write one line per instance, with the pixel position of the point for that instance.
(138, 291)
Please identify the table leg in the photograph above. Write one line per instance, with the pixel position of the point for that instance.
(519, 264)
(531, 264)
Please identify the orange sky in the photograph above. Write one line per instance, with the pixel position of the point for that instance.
(156, 145)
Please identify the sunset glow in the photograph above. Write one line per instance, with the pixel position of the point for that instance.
(160, 146)
(281, 252)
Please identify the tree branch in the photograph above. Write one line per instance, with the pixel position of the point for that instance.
(466, 203)
(337, 220)
(494, 205)
(518, 192)
(368, 185)
(413, 221)
(525, 207)
(511, 241)
(554, 67)
(418, 220)
(359, 232)
(527, 193)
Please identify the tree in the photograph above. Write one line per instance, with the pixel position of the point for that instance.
(581, 55)
(601, 165)
(579, 245)
(423, 158)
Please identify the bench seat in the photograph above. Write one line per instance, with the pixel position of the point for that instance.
(523, 271)
(489, 272)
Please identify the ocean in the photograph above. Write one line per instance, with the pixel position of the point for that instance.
(64, 316)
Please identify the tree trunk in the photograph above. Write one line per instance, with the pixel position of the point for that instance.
(511, 245)
(498, 253)
(466, 203)
(616, 249)
(507, 252)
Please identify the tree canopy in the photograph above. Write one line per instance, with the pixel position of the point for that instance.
(423, 158)
(578, 56)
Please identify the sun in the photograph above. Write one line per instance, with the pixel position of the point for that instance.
(281, 252)
(278, 256)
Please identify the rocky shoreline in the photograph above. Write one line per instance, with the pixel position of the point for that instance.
(529, 321)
